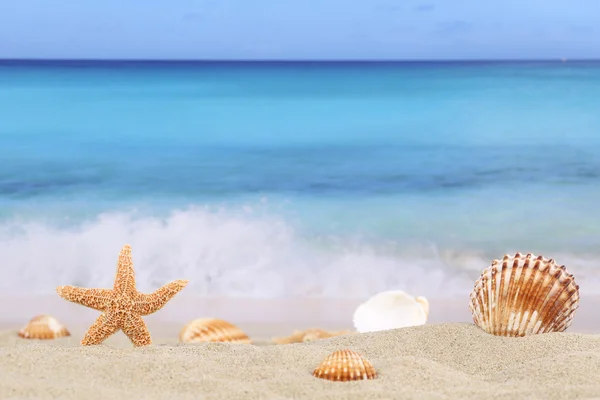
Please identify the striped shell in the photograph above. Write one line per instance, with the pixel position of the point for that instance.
(524, 295)
(345, 365)
(43, 327)
(308, 336)
(212, 330)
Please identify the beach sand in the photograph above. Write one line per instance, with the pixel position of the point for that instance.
(440, 360)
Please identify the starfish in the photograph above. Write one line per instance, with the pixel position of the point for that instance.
(123, 306)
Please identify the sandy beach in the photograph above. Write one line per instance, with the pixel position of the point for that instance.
(441, 360)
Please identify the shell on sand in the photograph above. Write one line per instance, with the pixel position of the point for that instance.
(390, 310)
(345, 365)
(524, 295)
(309, 335)
(212, 330)
(43, 327)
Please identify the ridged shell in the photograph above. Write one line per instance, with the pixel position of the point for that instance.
(345, 365)
(524, 295)
(308, 335)
(212, 330)
(43, 327)
(390, 310)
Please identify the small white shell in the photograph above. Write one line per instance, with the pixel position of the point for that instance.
(43, 327)
(524, 295)
(390, 310)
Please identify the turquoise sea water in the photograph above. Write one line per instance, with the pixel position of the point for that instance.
(294, 179)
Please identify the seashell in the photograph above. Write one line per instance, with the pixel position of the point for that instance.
(308, 335)
(524, 295)
(390, 310)
(43, 327)
(212, 330)
(424, 304)
(345, 365)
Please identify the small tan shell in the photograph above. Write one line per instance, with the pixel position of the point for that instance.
(345, 365)
(524, 295)
(43, 327)
(212, 330)
(308, 335)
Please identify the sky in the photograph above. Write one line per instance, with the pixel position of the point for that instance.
(300, 29)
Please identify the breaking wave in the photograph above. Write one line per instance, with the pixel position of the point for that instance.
(235, 253)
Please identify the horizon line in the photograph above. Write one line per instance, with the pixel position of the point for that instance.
(266, 60)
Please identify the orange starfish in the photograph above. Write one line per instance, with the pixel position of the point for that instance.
(123, 306)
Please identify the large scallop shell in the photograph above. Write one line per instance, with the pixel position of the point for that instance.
(212, 330)
(390, 310)
(524, 295)
(345, 365)
(43, 327)
(309, 335)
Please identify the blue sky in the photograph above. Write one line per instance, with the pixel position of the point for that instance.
(300, 29)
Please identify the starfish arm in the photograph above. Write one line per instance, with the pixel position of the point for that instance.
(104, 326)
(136, 330)
(125, 279)
(98, 299)
(150, 303)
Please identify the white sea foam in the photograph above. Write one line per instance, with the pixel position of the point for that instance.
(237, 253)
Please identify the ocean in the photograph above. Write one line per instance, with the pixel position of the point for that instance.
(282, 180)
